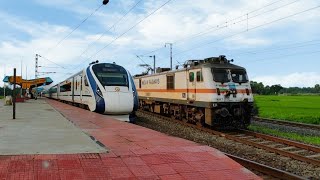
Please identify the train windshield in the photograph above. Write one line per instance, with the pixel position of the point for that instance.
(111, 74)
(239, 76)
(220, 75)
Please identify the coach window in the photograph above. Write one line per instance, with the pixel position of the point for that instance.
(199, 76)
(170, 82)
(76, 85)
(191, 76)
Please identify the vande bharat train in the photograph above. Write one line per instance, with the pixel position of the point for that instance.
(102, 87)
(212, 91)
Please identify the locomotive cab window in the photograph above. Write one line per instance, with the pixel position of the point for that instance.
(199, 76)
(111, 75)
(239, 76)
(170, 82)
(220, 75)
(191, 76)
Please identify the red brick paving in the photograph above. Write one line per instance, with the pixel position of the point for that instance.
(135, 153)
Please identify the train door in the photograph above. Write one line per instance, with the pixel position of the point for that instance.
(191, 86)
(80, 89)
(72, 90)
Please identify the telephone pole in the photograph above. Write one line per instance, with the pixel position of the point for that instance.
(36, 77)
(154, 63)
(170, 44)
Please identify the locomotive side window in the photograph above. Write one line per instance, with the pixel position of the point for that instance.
(220, 75)
(140, 83)
(191, 76)
(170, 82)
(199, 76)
(239, 76)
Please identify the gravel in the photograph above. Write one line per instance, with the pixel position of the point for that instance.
(290, 129)
(261, 156)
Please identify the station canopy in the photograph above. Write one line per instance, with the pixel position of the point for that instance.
(27, 84)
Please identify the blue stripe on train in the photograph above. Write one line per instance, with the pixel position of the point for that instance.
(100, 104)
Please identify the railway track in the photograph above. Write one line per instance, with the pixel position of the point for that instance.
(287, 123)
(284, 147)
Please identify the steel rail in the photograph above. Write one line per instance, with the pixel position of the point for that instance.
(244, 162)
(287, 123)
(267, 170)
(252, 143)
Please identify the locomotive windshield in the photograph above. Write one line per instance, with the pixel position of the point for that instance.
(239, 75)
(111, 74)
(220, 75)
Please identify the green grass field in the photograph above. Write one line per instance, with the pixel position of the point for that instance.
(1, 97)
(305, 109)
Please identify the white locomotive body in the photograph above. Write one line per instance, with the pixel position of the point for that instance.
(104, 88)
(211, 91)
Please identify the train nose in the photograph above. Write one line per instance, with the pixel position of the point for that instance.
(118, 99)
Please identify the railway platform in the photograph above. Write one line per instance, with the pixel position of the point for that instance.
(53, 140)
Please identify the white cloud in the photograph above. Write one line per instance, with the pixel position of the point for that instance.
(298, 79)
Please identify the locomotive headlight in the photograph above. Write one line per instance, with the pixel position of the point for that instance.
(214, 104)
(99, 92)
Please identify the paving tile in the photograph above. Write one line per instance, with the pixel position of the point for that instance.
(96, 173)
(194, 175)
(141, 171)
(152, 159)
(69, 164)
(45, 165)
(133, 161)
(215, 165)
(91, 163)
(171, 158)
(20, 166)
(113, 162)
(141, 151)
(45, 157)
(182, 167)
(46, 175)
(163, 169)
(196, 156)
(74, 174)
(108, 155)
(88, 156)
(119, 172)
(172, 177)
(27, 175)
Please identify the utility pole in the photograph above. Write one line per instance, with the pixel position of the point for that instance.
(14, 94)
(4, 84)
(154, 63)
(170, 53)
(36, 77)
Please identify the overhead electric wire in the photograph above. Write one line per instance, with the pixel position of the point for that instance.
(106, 32)
(51, 61)
(65, 37)
(119, 20)
(287, 46)
(249, 29)
(129, 29)
(221, 26)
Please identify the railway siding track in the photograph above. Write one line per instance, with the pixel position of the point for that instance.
(287, 123)
(292, 149)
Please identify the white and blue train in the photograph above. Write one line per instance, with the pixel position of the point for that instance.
(101, 87)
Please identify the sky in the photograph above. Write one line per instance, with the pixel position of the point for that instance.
(276, 41)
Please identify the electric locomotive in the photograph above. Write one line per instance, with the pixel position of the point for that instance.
(212, 91)
(101, 87)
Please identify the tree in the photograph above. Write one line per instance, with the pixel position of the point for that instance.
(317, 88)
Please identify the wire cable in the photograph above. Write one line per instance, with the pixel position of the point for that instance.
(129, 29)
(111, 27)
(250, 29)
(74, 29)
(51, 61)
